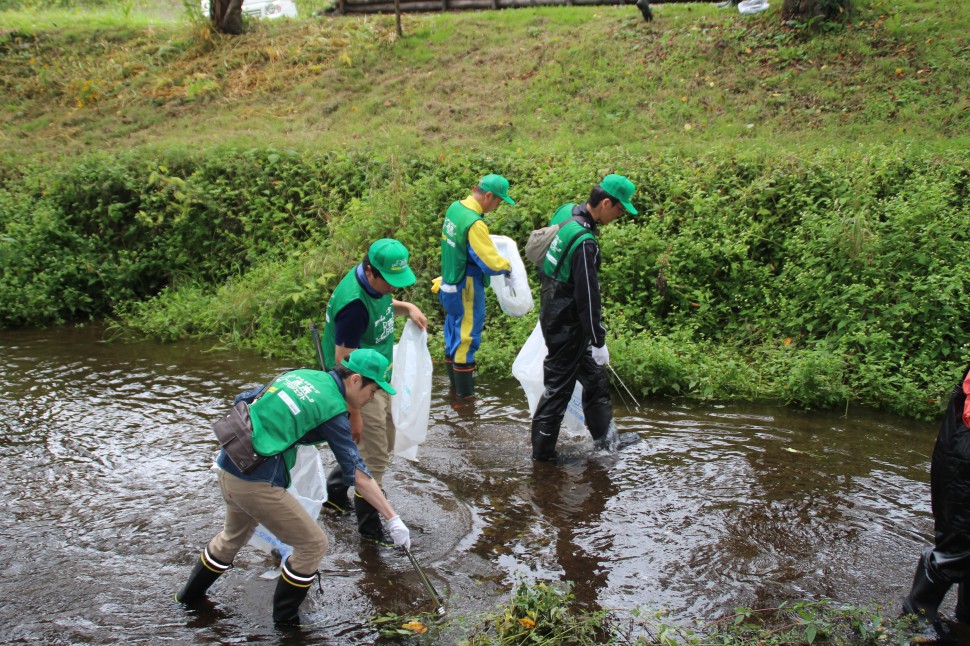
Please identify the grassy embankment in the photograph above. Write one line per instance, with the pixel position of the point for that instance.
(802, 192)
(536, 81)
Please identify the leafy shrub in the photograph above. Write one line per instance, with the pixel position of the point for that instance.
(821, 281)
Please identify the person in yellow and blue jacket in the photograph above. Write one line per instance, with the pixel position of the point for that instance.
(468, 255)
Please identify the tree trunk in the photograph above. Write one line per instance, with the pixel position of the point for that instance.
(805, 11)
(226, 16)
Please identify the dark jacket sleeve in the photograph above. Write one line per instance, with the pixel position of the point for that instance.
(336, 433)
(586, 290)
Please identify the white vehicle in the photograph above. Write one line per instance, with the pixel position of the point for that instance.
(262, 8)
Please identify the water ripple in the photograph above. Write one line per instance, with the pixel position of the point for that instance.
(105, 472)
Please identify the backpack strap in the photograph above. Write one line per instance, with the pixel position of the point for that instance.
(572, 240)
(574, 218)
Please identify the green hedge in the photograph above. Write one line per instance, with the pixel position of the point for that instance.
(818, 281)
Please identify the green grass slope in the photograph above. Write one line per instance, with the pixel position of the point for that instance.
(525, 80)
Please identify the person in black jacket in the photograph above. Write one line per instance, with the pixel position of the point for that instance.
(570, 317)
(947, 562)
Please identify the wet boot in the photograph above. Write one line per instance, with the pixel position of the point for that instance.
(291, 590)
(464, 379)
(338, 502)
(203, 575)
(599, 422)
(450, 365)
(926, 595)
(544, 438)
(963, 603)
(369, 523)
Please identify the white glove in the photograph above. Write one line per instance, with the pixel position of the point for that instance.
(399, 533)
(601, 355)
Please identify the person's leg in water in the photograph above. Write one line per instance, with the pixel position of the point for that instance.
(376, 444)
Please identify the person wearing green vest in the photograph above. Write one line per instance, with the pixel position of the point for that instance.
(570, 315)
(299, 407)
(360, 314)
(468, 255)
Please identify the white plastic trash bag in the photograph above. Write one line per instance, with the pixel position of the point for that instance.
(752, 6)
(527, 368)
(308, 484)
(411, 406)
(515, 298)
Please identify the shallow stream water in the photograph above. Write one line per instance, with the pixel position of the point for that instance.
(108, 498)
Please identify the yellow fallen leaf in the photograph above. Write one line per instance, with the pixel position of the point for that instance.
(415, 626)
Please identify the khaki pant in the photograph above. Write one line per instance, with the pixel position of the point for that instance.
(377, 438)
(250, 503)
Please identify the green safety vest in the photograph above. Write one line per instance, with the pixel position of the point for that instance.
(296, 403)
(379, 334)
(562, 214)
(555, 265)
(454, 242)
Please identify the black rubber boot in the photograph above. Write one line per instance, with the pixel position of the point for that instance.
(450, 365)
(204, 574)
(926, 595)
(599, 422)
(963, 603)
(291, 590)
(338, 502)
(369, 523)
(544, 438)
(464, 379)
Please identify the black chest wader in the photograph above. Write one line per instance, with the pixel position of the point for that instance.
(569, 360)
(948, 561)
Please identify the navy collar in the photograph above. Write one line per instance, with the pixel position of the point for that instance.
(340, 383)
(362, 279)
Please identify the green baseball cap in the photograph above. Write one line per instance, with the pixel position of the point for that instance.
(496, 185)
(390, 257)
(621, 188)
(371, 364)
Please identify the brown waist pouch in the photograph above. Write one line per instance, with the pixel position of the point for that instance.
(234, 430)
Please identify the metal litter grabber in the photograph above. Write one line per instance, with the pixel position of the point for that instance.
(636, 404)
(315, 338)
(439, 604)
